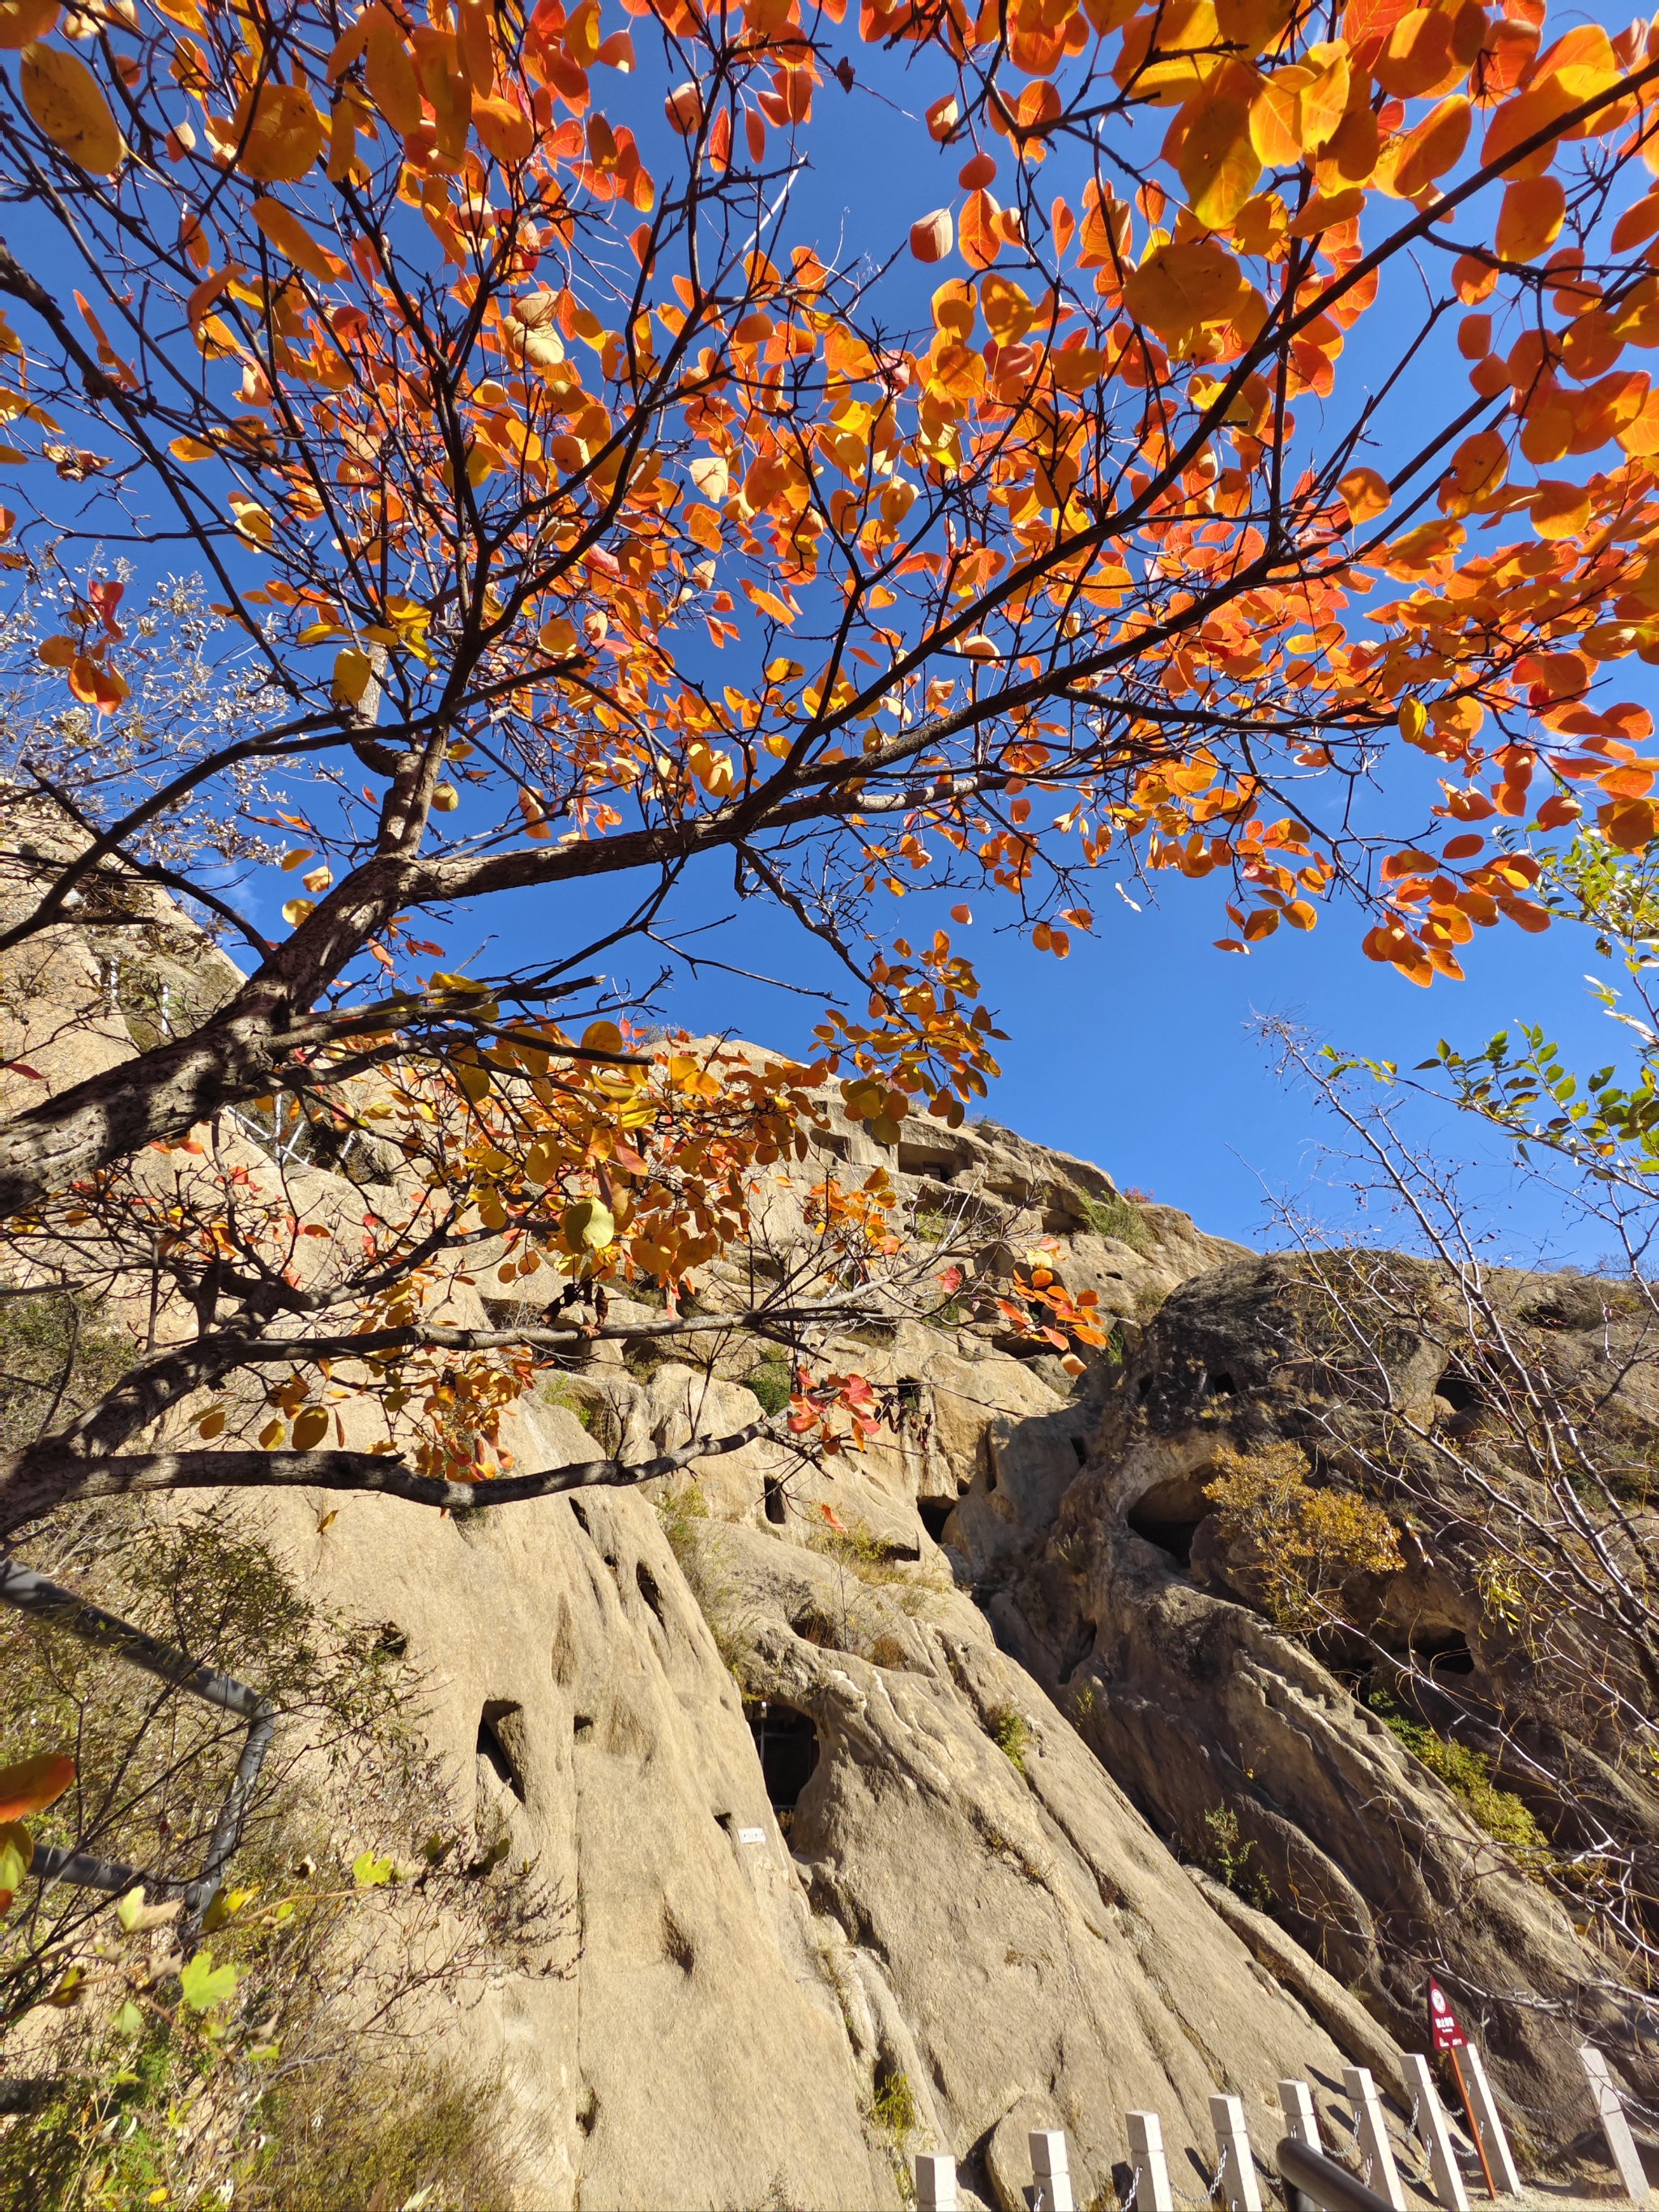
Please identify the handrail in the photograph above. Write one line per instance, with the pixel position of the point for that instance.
(1321, 2178)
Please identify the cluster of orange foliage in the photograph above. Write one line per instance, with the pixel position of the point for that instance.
(1278, 434)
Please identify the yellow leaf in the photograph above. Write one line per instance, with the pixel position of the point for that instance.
(296, 243)
(281, 138)
(587, 1226)
(20, 21)
(1428, 151)
(1530, 218)
(602, 1037)
(1177, 287)
(63, 95)
(16, 1850)
(504, 129)
(1217, 163)
(252, 520)
(56, 651)
(212, 1424)
(295, 910)
(353, 670)
(1365, 492)
(1559, 509)
(311, 1428)
(1325, 99)
(190, 449)
(1276, 117)
(31, 1784)
(388, 72)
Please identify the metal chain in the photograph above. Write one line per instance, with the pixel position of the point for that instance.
(1208, 2197)
(1126, 2201)
(1423, 2178)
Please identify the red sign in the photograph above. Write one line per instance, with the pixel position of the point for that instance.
(1443, 2020)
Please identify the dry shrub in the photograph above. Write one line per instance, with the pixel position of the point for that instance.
(1301, 1543)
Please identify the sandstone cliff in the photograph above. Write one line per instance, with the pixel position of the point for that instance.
(919, 1790)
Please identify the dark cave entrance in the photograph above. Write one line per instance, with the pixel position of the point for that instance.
(1175, 1537)
(787, 1744)
(1442, 1653)
(496, 1725)
(1170, 1514)
(934, 1513)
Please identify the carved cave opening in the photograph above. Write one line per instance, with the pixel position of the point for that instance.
(1171, 1513)
(934, 1512)
(496, 1725)
(787, 1744)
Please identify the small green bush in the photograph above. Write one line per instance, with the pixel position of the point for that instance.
(55, 1350)
(1467, 1775)
(1011, 1734)
(558, 1392)
(1228, 1854)
(772, 1384)
(893, 2108)
(1115, 1217)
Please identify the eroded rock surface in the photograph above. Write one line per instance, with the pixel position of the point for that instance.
(1125, 1601)
(862, 1791)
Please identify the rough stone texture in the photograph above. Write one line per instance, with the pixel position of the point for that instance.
(1366, 1857)
(964, 1895)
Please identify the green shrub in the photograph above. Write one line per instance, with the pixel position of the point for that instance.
(289, 2066)
(558, 1392)
(1467, 1775)
(1011, 1733)
(893, 2108)
(1227, 1857)
(55, 1352)
(1113, 1216)
(772, 1383)
(679, 1511)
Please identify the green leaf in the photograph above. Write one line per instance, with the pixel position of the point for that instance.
(369, 1872)
(129, 2020)
(16, 1852)
(129, 1908)
(202, 1984)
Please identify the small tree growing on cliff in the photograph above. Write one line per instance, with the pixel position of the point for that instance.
(594, 518)
(1528, 1470)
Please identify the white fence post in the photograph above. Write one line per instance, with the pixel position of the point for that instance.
(1151, 2187)
(1610, 2110)
(1499, 2156)
(936, 2182)
(1051, 2171)
(1433, 2132)
(1296, 2101)
(1236, 2175)
(1373, 2133)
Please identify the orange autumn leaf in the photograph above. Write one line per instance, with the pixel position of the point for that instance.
(29, 1785)
(64, 98)
(1530, 218)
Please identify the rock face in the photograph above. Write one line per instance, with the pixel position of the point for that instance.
(1124, 1602)
(861, 1792)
